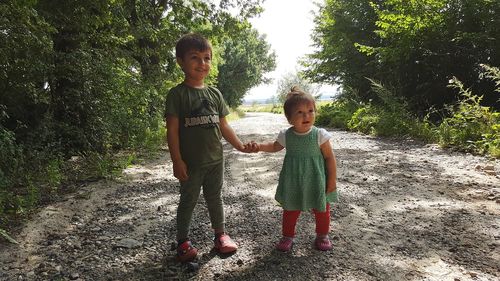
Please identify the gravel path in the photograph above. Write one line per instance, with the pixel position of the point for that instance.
(407, 211)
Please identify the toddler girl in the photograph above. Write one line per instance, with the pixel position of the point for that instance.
(308, 176)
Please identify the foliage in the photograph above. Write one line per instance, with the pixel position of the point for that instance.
(467, 125)
(4, 234)
(414, 46)
(388, 118)
(81, 81)
(470, 126)
(246, 58)
(337, 113)
(336, 60)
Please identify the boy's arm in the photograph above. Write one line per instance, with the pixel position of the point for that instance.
(331, 166)
(180, 168)
(229, 135)
(270, 147)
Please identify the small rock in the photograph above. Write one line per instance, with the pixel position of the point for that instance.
(472, 274)
(173, 246)
(74, 276)
(489, 168)
(490, 172)
(128, 243)
(170, 273)
(96, 229)
(192, 266)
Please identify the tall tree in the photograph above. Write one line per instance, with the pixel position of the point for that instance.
(427, 42)
(25, 67)
(415, 47)
(246, 58)
(340, 24)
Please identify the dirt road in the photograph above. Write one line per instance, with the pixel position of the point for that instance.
(407, 211)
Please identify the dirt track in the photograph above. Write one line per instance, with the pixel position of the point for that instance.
(407, 211)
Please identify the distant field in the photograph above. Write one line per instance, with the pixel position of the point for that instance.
(274, 108)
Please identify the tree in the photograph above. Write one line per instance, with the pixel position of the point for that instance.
(427, 42)
(289, 80)
(246, 58)
(25, 67)
(340, 24)
(414, 47)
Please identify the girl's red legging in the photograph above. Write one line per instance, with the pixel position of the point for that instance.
(322, 221)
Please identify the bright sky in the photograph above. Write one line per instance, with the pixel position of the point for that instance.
(288, 26)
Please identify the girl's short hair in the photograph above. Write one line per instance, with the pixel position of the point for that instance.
(191, 41)
(295, 97)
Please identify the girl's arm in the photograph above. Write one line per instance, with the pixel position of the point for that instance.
(331, 166)
(269, 147)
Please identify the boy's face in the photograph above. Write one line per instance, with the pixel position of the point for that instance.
(196, 64)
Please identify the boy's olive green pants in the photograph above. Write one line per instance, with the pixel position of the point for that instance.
(211, 179)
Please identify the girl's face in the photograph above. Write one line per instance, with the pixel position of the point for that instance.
(196, 66)
(302, 117)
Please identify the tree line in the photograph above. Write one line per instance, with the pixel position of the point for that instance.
(418, 68)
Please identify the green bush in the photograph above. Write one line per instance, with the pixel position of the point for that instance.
(378, 121)
(490, 142)
(336, 114)
(388, 117)
(470, 126)
(8, 154)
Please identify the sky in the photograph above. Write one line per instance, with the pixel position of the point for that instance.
(288, 26)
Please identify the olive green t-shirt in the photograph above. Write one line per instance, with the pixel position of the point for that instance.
(198, 111)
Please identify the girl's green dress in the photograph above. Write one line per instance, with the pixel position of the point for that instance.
(302, 181)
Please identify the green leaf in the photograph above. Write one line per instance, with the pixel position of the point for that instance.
(4, 234)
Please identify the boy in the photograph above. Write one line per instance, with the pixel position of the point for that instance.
(195, 115)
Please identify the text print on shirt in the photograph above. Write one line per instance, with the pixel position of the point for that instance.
(202, 114)
(201, 120)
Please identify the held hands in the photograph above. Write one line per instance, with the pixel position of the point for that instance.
(250, 147)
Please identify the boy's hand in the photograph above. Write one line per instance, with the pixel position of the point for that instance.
(180, 170)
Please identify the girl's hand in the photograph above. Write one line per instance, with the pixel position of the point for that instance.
(254, 147)
(331, 188)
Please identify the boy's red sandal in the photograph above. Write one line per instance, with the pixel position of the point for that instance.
(224, 244)
(186, 252)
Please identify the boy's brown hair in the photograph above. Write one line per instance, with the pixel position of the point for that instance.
(295, 97)
(191, 41)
